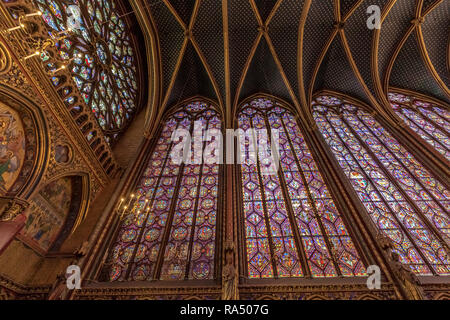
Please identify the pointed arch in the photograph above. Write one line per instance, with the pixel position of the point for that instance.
(170, 230)
(429, 118)
(404, 200)
(290, 224)
(36, 145)
(316, 297)
(79, 205)
(442, 296)
(268, 297)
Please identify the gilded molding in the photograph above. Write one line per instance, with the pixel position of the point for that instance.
(5, 59)
(10, 290)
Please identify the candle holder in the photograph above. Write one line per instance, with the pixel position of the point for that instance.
(65, 65)
(23, 23)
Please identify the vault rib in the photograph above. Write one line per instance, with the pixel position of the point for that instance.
(208, 70)
(175, 14)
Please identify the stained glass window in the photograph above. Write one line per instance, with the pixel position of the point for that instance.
(103, 62)
(405, 201)
(175, 238)
(428, 120)
(292, 225)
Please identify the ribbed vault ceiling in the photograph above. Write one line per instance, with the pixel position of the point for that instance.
(227, 50)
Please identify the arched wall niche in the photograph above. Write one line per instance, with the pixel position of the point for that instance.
(12, 147)
(36, 142)
(54, 212)
(78, 210)
(36, 158)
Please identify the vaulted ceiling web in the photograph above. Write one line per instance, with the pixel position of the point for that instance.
(423, 80)
(230, 49)
(265, 7)
(183, 8)
(347, 5)
(420, 61)
(263, 75)
(192, 79)
(283, 33)
(242, 30)
(436, 41)
(335, 72)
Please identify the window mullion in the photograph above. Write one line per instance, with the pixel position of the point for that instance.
(407, 197)
(141, 231)
(263, 200)
(417, 110)
(425, 131)
(173, 204)
(298, 238)
(194, 217)
(312, 203)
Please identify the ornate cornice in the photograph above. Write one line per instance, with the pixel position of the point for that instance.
(181, 292)
(13, 290)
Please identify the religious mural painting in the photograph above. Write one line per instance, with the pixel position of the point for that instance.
(47, 213)
(62, 154)
(12, 147)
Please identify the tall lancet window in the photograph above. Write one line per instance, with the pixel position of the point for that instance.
(430, 121)
(292, 225)
(175, 238)
(405, 201)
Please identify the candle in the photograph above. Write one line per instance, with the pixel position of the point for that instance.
(64, 31)
(136, 216)
(38, 13)
(59, 69)
(16, 28)
(129, 201)
(123, 212)
(146, 203)
(32, 55)
(120, 203)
